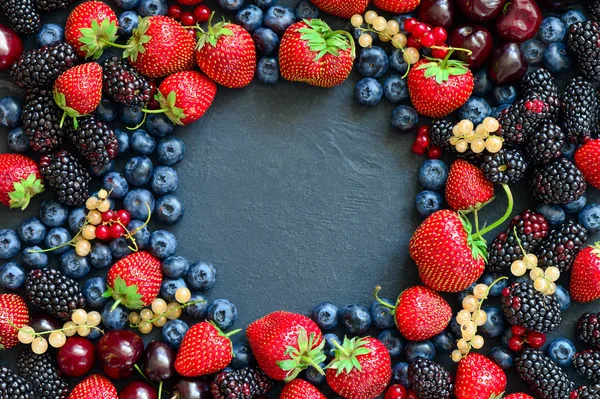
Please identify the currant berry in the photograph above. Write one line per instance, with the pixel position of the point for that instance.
(379, 24)
(480, 291)
(422, 141)
(439, 53)
(456, 356)
(134, 318)
(174, 11)
(370, 17)
(440, 35)
(419, 30)
(392, 28)
(470, 303)
(357, 20)
(518, 331)
(399, 40)
(57, 339)
(79, 317)
(83, 247)
(428, 40)
(145, 327)
(384, 37)
(411, 55)
(159, 306)
(202, 13)
(104, 206)
(146, 314)
(91, 203)
(102, 233)
(434, 152)
(26, 335)
(411, 41)
(173, 311)
(39, 345)
(70, 328)
(116, 231)
(365, 40)
(515, 344)
(83, 331)
(418, 150)
(94, 217)
(518, 268)
(160, 322)
(409, 24)
(535, 339)
(493, 144)
(108, 216)
(88, 232)
(93, 318)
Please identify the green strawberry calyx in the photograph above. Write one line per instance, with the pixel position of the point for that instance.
(125, 295)
(136, 42)
(61, 101)
(347, 353)
(308, 353)
(213, 34)
(322, 40)
(167, 107)
(442, 70)
(97, 37)
(24, 190)
(496, 396)
(596, 249)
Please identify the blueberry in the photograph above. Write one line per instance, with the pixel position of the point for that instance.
(201, 276)
(138, 170)
(159, 125)
(552, 30)
(142, 143)
(355, 319)
(198, 309)
(10, 245)
(148, 8)
(496, 290)
(483, 85)
(107, 110)
(123, 139)
(12, 276)
(222, 312)
(101, 256)
(372, 62)
(505, 94)
(554, 214)
(325, 315)
(279, 18)
(58, 237)
(400, 374)
(395, 89)
(94, 334)
(116, 184)
(127, 4)
(433, 174)
(556, 58)
(128, 22)
(405, 118)
(401, 18)
(119, 247)
(589, 217)
(73, 265)
(10, 112)
(476, 109)
(313, 376)
(103, 170)
(329, 347)
(396, 61)
(415, 349)
(576, 206)
(503, 357)
(173, 333)
(561, 351)
(381, 315)
(444, 342)
(306, 10)
(53, 213)
(141, 235)
(250, 18)
(92, 292)
(175, 266)
(169, 209)
(266, 41)
(428, 202)
(31, 231)
(563, 297)
(267, 70)
(494, 325)
(265, 4)
(169, 286)
(131, 116)
(35, 259)
(170, 151)
(242, 356)
(392, 340)
(114, 319)
(164, 180)
(162, 244)
(568, 150)
(230, 5)
(368, 91)
(49, 34)
(455, 327)
(18, 140)
(572, 16)
(533, 51)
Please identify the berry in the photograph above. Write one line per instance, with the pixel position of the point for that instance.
(582, 39)
(561, 351)
(41, 120)
(476, 109)
(267, 70)
(392, 340)
(49, 34)
(114, 319)
(504, 167)
(244, 383)
(368, 91)
(266, 41)
(116, 184)
(170, 151)
(123, 83)
(127, 22)
(159, 125)
(173, 333)
(162, 244)
(494, 324)
(429, 380)
(95, 141)
(222, 312)
(54, 293)
(142, 143)
(201, 276)
(169, 209)
(579, 110)
(556, 58)
(35, 259)
(542, 375)
(250, 18)
(381, 315)
(372, 62)
(138, 170)
(533, 51)
(552, 30)
(92, 292)
(526, 307)
(277, 18)
(306, 10)
(73, 265)
(12, 276)
(66, 176)
(131, 116)
(519, 120)
(325, 315)
(21, 16)
(355, 319)
(106, 110)
(13, 386)
(588, 329)
(42, 374)
(415, 350)
(545, 144)
(148, 8)
(502, 357)
(18, 141)
(576, 206)
(433, 174)
(405, 118)
(428, 202)
(589, 217)
(561, 246)
(198, 309)
(202, 13)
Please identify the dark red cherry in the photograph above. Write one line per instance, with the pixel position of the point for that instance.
(480, 10)
(507, 64)
(76, 357)
(437, 12)
(159, 361)
(475, 38)
(138, 390)
(192, 388)
(120, 349)
(520, 21)
(11, 47)
(43, 322)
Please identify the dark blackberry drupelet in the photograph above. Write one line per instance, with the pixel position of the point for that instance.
(587, 392)
(41, 67)
(504, 167)
(588, 329)
(54, 293)
(559, 182)
(562, 246)
(95, 140)
(429, 379)
(21, 15)
(245, 383)
(521, 119)
(42, 374)
(545, 144)
(526, 307)
(41, 120)
(587, 365)
(579, 110)
(51, 5)
(65, 174)
(13, 386)
(440, 133)
(542, 375)
(124, 84)
(594, 9)
(583, 39)
(541, 83)
(531, 229)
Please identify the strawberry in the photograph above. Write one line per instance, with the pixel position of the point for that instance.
(13, 313)
(205, 349)
(342, 8)
(94, 387)
(134, 281)
(286, 343)
(311, 52)
(585, 275)
(300, 389)
(78, 90)
(397, 6)
(160, 46)
(467, 188)
(477, 377)
(20, 180)
(360, 369)
(518, 396)
(90, 28)
(226, 54)
(587, 159)
(439, 87)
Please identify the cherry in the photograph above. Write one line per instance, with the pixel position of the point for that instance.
(138, 390)
(428, 40)
(191, 388)
(108, 216)
(515, 344)
(116, 231)
(102, 232)
(440, 35)
(507, 64)
(124, 216)
(434, 152)
(159, 361)
(535, 339)
(518, 331)
(11, 47)
(117, 373)
(43, 322)
(188, 19)
(419, 30)
(202, 13)
(120, 349)
(174, 11)
(396, 391)
(475, 38)
(410, 24)
(76, 357)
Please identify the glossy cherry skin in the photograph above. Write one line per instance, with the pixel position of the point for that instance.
(43, 322)
(159, 361)
(120, 349)
(76, 357)
(117, 374)
(437, 12)
(507, 64)
(11, 47)
(521, 21)
(475, 38)
(192, 388)
(138, 390)
(481, 10)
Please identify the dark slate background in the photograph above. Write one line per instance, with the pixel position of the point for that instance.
(298, 195)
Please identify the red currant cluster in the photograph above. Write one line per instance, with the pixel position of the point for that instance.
(424, 35)
(520, 337)
(422, 144)
(201, 14)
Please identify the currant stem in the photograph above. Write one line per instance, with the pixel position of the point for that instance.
(504, 217)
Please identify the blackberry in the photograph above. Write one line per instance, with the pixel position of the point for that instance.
(531, 229)
(506, 166)
(429, 379)
(94, 140)
(545, 144)
(54, 293)
(51, 5)
(245, 383)
(21, 15)
(583, 39)
(588, 329)
(41, 67)
(579, 110)
(562, 246)
(65, 174)
(587, 392)
(41, 120)
(542, 375)
(541, 83)
(559, 183)
(125, 84)
(42, 374)
(12, 386)
(521, 119)
(524, 306)
(587, 364)
(594, 9)
(440, 133)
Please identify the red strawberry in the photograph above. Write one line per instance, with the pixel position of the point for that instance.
(160, 46)
(78, 90)
(20, 180)
(205, 349)
(90, 28)
(397, 6)
(466, 187)
(94, 387)
(135, 280)
(311, 52)
(587, 159)
(300, 389)
(518, 396)
(477, 377)
(342, 8)
(226, 54)
(361, 369)
(13, 310)
(585, 275)
(286, 343)
(439, 87)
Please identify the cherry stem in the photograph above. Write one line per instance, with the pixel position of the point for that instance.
(381, 301)
(498, 222)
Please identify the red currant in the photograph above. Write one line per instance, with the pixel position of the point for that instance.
(124, 216)
(519, 331)
(414, 42)
(416, 149)
(188, 19)
(440, 53)
(515, 344)
(423, 130)
(535, 339)
(410, 24)
(419, 30)
(174, 11)
(422, 141)
(434, 152)
(108, 216)
(102, 232)
(116, 230)
(396, 391)
(574, 395)
(201, 13)
(440, 35)
(428, 40)
(411, 394)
